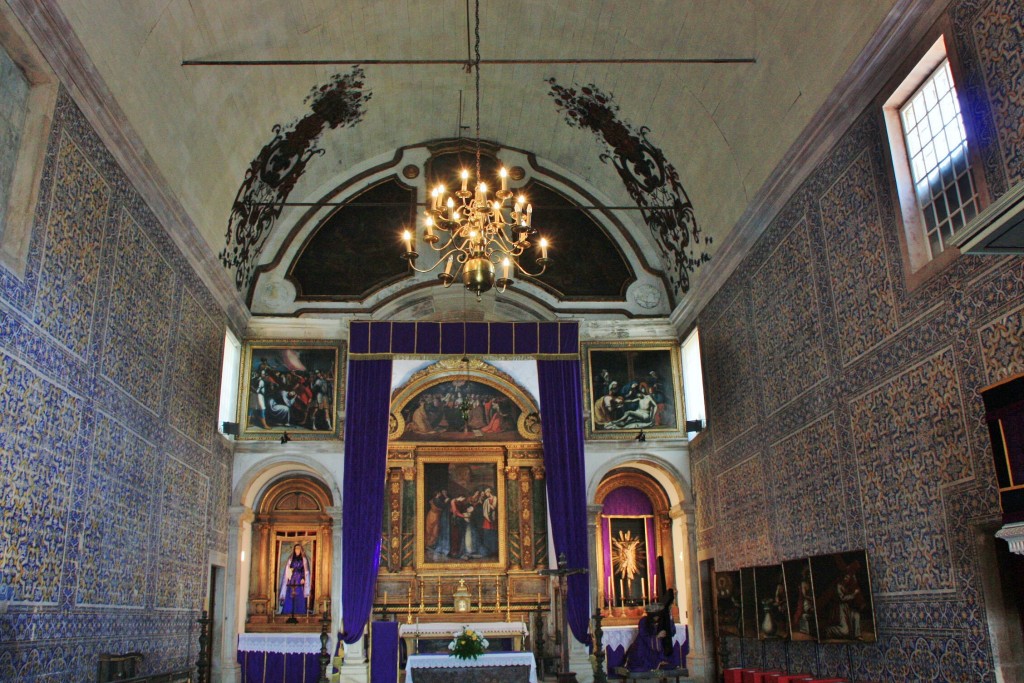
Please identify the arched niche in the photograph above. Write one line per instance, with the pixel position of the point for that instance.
(634, 505)
(292, 509)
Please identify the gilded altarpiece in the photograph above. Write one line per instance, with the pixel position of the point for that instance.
(292, 511)
(466, 499)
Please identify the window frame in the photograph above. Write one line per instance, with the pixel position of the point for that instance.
(35, 133)
(935, 47)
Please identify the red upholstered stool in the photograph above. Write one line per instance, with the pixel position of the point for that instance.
(733, 675)
(748, 675)
(766, 676)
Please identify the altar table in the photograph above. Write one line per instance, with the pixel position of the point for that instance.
(520, 666)
(410, 633)
(617, 639)
(280, 657)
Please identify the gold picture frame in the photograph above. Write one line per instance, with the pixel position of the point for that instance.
(464, 478)
(290, 385)
(633, 387)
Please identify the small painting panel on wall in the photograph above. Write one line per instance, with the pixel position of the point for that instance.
(803, 623)
(632, 387)
(460, 513)
(772, 605)
(842, 597)
(290, 386)
(727, 603)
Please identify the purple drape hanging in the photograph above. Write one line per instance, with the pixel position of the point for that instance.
(367, 406)
(562, 431)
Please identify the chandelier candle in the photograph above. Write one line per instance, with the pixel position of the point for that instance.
(474, 232)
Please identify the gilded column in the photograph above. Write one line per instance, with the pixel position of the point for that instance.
(525, 520)
(515, 541)
(593, 533)
(394, 519)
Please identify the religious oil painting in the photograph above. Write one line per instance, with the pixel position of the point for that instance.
(748, 600)
(460, 513)
(772, 603)
(290, 386)
(727, 603)
(842, 597)
(803, 624)
(633, 387)
(295, 578)
(461, 409)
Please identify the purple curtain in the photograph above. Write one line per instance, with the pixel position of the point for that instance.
(625, 501)
(562, 432)
(367, 405)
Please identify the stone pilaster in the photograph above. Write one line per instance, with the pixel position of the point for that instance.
(684, 538)
(225, 666)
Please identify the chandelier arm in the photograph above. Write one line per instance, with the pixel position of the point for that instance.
(524, 271)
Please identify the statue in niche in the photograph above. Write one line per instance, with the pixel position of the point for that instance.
(295, 582)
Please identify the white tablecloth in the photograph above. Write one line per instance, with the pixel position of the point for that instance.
(489, 659)
(446, 629)
(623, 636)
(285, 643)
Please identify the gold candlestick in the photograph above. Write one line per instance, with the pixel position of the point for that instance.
(480, 592)
(408, 608)
(439, 594)
(422, 606)
(497, 593)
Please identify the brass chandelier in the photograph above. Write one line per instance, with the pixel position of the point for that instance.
(473, 232)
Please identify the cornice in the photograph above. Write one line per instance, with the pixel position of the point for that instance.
(906, 21)
(56, 40)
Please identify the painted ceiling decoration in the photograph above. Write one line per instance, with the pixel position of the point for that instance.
(272, 175)
(651, 181)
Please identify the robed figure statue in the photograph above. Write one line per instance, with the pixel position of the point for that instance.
(295, 582)
(653, 647)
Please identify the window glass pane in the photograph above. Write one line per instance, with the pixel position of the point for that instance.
(937, 150)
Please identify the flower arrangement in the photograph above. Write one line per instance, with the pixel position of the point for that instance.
(467, 644)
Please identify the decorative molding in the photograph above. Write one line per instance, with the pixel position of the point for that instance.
(55, 38)
(855, 91)
(1013, 534)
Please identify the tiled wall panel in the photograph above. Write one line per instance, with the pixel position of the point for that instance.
(113, 481)
(879, 442)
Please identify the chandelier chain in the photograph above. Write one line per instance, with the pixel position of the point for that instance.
(476, 68)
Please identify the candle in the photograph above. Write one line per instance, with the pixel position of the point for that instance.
(622, 591)
(465, 179)
(407, 236)
(529, 215)
(448, 266)
(543, 248)
(385, 598)
(504, 179)
(643, 588)
(451, 209)
(505, 264)
(428, 227)
(481, 192)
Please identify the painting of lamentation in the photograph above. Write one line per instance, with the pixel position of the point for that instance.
(462, 513)
(461, 410)
(633, 388)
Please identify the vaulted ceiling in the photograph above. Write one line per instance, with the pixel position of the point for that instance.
(578, 130)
